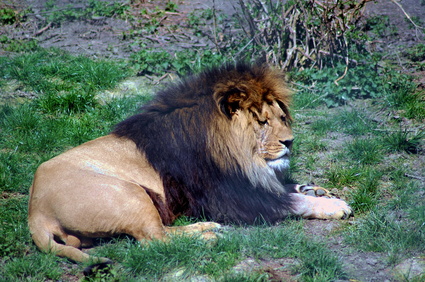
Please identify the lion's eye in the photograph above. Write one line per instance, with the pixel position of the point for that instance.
(262, 122)
(283, 118)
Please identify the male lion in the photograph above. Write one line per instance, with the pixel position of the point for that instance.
(214, 145)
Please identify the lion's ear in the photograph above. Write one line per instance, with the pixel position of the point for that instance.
(231, 100)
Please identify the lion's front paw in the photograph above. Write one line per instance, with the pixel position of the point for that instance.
(320, 207)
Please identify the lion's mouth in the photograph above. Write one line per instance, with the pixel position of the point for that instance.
(281, 162)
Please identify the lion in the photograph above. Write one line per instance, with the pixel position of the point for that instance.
(214, 146)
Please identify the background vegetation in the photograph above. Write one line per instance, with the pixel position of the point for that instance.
(359, 128)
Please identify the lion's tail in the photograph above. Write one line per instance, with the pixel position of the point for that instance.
(43, 233)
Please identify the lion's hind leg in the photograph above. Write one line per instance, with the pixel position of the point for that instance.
(48, 236)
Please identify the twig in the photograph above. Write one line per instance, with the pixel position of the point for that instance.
(215, 28)
(415, 177)
(346, 60)
(246, 45)
(407, 15)
(37, 33)
(342, 76)
(160, 79)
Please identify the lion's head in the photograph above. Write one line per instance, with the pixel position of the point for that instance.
(217, 140)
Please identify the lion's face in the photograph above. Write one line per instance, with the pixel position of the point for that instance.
(274, 135)
(255, 107)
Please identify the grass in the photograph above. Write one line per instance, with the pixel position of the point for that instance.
(388, 230)
(341, 146)
(157, 260)
(403, 140)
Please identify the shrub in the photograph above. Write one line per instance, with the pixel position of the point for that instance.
(301, 33)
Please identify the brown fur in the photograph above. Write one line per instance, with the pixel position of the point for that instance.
(211, 146)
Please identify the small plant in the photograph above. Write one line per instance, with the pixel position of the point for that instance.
(353, 122)
(403, 140)
(365, 151)
(380, 26)
(8, 15)
(416, 53)
(365, 196)
(318, 86)
(151, 62)
(170, 6)
(18, 45)
(200, 18)
(69, 103)
(340, 176)
(94, 8)
(413, 22)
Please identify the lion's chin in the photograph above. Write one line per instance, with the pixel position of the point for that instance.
(279, 164)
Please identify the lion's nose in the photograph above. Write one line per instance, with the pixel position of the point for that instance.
(287, 143)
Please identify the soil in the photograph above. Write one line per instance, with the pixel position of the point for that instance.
(110, 38)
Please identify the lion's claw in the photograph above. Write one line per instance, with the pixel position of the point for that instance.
(314, 191)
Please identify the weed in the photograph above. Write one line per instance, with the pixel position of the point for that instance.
(417, 21)
(396, 228)
(18, 45)
(353, 122)
(94, 8)
(364, 151)
(322, 127)
(158, 260)
(348, 121)
(70, 103)
(362, 201)
(170, 6)
(401, 94)
(416, 53)
(312, 143)
(199, 18)
(340, 175)
(404, 140)
(318, 86)
(150, 62)
(320, 264)
(8, 15)
(365, 196)
(244, 277)
(380, 26)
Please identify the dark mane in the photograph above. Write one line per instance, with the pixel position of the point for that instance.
(173, 132)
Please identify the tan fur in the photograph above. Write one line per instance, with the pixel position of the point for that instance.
(94, 191)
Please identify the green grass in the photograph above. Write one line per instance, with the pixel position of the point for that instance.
(384, 230)
(53, 71)
(403, 140)
(341, 175)
(365, 151)
(157, 260)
